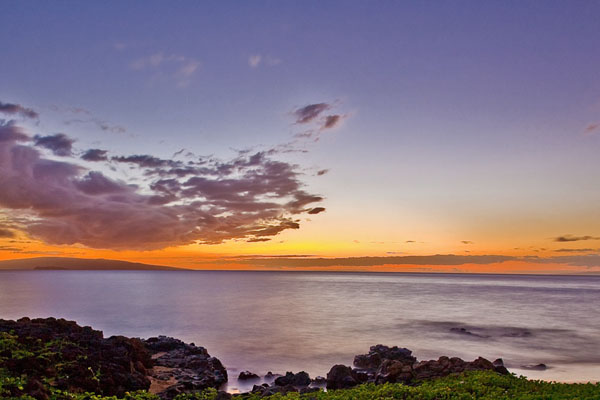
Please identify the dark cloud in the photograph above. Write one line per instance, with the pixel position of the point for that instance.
(571, 238)
(310, 112)
(6, 233)
(466, 242)
(575, 250)
(256, 240)
(94, 155)
(439, 259)
(316, 210)
(13, 109)
(331, 121)
(60, 144)
(410, 241)
(322, 172)
(250, 197)
(145, 161)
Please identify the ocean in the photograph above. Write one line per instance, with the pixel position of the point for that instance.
(292, 321)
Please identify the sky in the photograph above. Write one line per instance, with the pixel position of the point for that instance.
(458, 136)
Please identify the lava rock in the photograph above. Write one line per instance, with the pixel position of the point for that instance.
(247, 375)
(340, 377)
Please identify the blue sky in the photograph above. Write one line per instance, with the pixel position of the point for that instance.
(459, 118)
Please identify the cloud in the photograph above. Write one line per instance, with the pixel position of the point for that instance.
(316, 210)
(575, 250)
(256, 240)
(313, 114)
(250, 197)
(254, 60)
(6, 233)
(94, 155)
(60, 144)
(9, 131)
(322, 172)
(13, 109)
(592, 128)
(331, 121)
(571, 238)
(310, 112)
(438, 259)
(466, 242)
(176, 67)
(101, 124)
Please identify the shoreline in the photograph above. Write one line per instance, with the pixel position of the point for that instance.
(56, 354)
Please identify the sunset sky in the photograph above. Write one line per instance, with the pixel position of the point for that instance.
(434, 136)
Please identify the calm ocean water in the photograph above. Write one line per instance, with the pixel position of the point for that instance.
(278, 321)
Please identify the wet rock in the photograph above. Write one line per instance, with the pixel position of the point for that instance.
(394, 371)
(189, 366)
(536, 367)
(464, 331)
(247, 375)
(340, 377)
(300, 379)
(379, 352)
(76, 358)
(319, 380)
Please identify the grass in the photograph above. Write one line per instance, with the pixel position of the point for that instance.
(472, 385)
(468, 386)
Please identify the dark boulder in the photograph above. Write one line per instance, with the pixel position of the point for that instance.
(247, 375)
(300, 379)
(340, 377)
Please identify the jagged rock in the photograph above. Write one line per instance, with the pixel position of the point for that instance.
(379, 352)
(247, 375)
(299, 379)
(340, 377)
(189, 366)
(77, 359)
(395, 371)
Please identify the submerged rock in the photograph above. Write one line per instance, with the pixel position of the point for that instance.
(300, 379)
(536, 367)
(247, 375)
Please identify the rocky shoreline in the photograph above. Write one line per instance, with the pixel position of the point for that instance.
(59, 354)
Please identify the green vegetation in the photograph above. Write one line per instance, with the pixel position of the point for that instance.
(473, 385)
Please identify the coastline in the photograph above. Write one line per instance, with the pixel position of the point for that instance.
(43, 358)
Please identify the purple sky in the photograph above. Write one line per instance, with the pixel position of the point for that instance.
(438, 122)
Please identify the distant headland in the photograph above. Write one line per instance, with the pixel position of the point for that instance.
(80, 264)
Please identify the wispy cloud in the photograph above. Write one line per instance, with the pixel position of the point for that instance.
(17, 109)
(571, 238)
(592, 128)
(178, 68)
(254, 60)
(101, 124)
